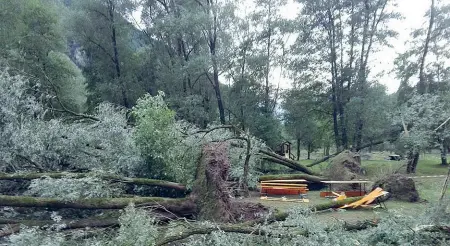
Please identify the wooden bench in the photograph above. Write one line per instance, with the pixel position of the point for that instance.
(283, 187)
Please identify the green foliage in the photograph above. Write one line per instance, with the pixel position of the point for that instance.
(31, 142)
(154, 122)
(34, 237)
(68, 82)
(303, 228)
(376, 112)
(422, 114)
(137, 228)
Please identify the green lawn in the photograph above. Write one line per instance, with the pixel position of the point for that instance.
(429, 164)
(429, 189)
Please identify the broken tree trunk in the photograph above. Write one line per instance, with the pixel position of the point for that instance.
(285, 162)
(137, 181)
(412, 161)
(311, 178)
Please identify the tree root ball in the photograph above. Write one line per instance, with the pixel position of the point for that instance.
(400, 187)
(345, 166)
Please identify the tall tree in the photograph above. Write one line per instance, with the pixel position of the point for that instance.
(271, 31)
(342, 35)
(423, 70)
(101, 29)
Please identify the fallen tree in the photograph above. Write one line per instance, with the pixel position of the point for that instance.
(209, 200)
(273, 157)
(326, 158)
(111, 177)
(92, 203)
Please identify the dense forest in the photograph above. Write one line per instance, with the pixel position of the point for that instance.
(178, 107)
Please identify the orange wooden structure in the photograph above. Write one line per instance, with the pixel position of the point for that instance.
(284, 187)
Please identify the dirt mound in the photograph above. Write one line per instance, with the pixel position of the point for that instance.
(400, 187)
(345, 166)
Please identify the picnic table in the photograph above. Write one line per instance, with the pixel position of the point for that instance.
(394, 158)
(360, 192)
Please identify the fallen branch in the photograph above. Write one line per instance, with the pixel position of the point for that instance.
(242, 229)
(441, 125)
(14, 225)
(137, 181)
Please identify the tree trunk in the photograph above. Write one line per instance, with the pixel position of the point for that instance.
(335, 204)
(246, 169)
(422, 86)
(335, 118)
(443, 153)
(311, 178)
(323, 159)
(343, 125)
(218, 94)
(111, 8)
(137, 181)
(267, 72)
(212, 42)
(412, 160)
(309, 151)
(298, 149)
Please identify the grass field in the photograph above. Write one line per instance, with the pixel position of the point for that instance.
(429, 189)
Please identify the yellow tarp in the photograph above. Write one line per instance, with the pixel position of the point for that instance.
(339, 197)
(368, 199)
